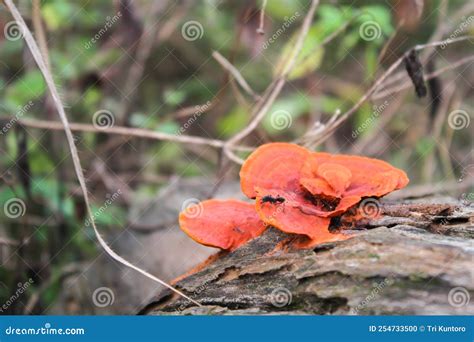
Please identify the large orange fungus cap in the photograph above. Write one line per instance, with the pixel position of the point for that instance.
(225, 224)
(272, 166)
(351, 175)
(296, 191)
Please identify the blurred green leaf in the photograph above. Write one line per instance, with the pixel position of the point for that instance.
(108, 215)
(301, 67)
(371, 61)
(25, 88)
(364, 117)
(58, 13)
(92, 98)
(167, 127)
(283, 9)
(232, 122)
(174, 97)
(307, 65)
(380, 14)
(139, 120)
(331, 18)
(424, 146)
(348, 42)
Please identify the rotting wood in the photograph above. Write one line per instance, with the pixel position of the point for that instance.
(412, 260)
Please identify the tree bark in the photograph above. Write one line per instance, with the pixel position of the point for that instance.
(417, 258)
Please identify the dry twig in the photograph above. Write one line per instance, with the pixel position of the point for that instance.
(35, 51)
(126, 131)
(236, 73)
(331, 128)
(273, 90)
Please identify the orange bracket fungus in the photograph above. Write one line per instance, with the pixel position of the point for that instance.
(225, 224)
(296, 191)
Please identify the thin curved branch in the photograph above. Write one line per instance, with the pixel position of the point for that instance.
(35, 51)
(236, 73)
(126, 131)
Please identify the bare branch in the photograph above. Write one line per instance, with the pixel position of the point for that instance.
(408, 84)
(331, 128)
(236, 73)
(261, 24)
(144, 48)
(273, 90)
(8, 242)
(126, 131)
(35, 51)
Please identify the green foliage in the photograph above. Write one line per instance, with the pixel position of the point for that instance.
(57, 13)
(424, 146)
(27, 87)
(232, 122)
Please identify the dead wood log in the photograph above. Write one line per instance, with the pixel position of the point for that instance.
(415, 259)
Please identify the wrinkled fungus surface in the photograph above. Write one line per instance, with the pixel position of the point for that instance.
(296, 191)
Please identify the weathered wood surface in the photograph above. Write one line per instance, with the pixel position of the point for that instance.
(416, 259)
